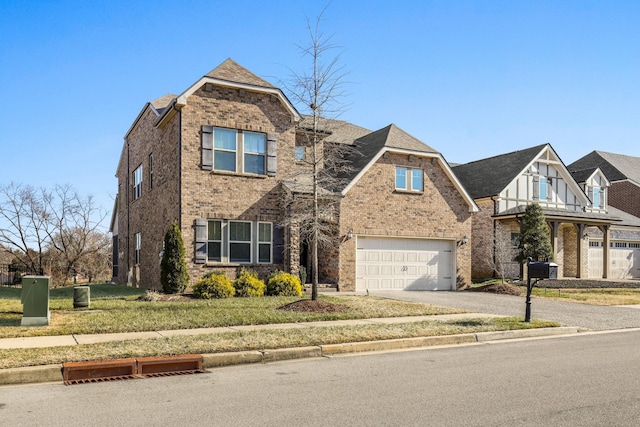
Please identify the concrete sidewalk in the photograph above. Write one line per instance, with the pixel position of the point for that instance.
(53, 373)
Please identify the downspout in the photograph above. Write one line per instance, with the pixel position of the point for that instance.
(128, 195)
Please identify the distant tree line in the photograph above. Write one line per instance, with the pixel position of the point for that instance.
(55, 231)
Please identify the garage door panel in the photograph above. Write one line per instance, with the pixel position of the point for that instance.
(411, 264)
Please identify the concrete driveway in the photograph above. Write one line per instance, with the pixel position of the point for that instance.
(568, 313)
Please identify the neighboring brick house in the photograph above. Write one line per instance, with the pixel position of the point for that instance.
(504, 185)
(223, 157)
(623, 197)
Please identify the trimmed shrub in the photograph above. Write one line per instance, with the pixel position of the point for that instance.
(213, 285)
(248, 284)
(174, 276)
(284, 284)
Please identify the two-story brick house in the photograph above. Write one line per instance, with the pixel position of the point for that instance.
(221, 159)
(623, 197)
(502, 186)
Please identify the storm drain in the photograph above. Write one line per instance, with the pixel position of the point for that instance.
(131, 368)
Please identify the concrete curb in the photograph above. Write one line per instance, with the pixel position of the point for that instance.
(53, 373)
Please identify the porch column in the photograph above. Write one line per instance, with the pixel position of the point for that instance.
(579, 252)
(606, 247)
(554, 226)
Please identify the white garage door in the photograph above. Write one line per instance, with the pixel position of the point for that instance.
(624, 260)
(409, 264)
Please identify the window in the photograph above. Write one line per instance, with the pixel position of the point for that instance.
(150, 171)
(239, 241)
(254, 152)
(409, 179)
(138, 247)
(264, 242)
(300, 153)
(543, 188)
(227, 241)
(137, 183)
(224, 147)
(596, 197)
(515, 239)
(214, 241)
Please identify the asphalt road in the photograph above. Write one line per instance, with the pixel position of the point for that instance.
(568, 313)
(587, 379)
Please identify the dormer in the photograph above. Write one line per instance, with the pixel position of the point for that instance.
(595, 185)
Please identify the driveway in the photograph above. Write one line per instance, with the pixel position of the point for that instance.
(568, 313)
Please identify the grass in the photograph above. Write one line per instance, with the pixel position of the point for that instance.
(257, 340)
(599, 296)
(118, 309)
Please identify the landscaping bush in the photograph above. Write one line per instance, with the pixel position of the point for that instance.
(213, 285)
(174, 276)
(248, 284)
(284, 284)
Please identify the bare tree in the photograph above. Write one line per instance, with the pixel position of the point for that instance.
(313, 203)
(502, 253)
(48, 230)
(72, 227)
(23, 224)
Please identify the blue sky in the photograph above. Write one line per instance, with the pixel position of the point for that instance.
(470, 78)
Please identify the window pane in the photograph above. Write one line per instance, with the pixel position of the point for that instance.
(596, 197)
(264, 232)
(416, 179)
(254, 143)
(254, 164)
(240, 231)
(264, 253)
(214, 252)
(543, 188)
(224, 139)
(240, 252)
(401, 178)
(300, 152)
(214, 231)
(225, 160)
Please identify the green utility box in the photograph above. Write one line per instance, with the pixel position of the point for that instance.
(35, 301)
(81, 296)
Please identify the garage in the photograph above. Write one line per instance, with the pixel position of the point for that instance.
(624, 260)
(411, 264)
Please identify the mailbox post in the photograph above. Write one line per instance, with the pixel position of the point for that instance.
(538, 270)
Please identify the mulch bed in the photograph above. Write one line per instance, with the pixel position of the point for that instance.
(498, 288)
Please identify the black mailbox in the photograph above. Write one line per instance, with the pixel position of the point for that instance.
(542, 270)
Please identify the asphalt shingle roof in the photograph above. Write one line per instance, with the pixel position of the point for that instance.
(231, 71)
(488, 177)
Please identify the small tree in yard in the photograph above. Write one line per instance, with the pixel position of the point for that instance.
(501, 253)
(173, 268)
(534, 239)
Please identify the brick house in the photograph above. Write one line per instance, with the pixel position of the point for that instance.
(222, 158)
(623, 175)
(578, 214)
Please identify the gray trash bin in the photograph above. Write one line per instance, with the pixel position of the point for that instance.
(81, 296)
(35, 301)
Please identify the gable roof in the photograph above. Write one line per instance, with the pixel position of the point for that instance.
(231, 71)
(616, 167)
(488, 177)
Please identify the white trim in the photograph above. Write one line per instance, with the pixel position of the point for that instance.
(445, 166)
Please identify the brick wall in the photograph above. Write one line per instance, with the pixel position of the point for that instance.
(373, 207)
(482, 239)
(625, 196)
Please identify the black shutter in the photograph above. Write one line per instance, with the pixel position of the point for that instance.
(207, 147)
(201, 241)
(272, 154)
(278, 244)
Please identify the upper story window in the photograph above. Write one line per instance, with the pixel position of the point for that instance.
(137, 183)
(238, 151)
(150, 171)
(300, 152)
(542, 187)
(408, 179)
(225, 148)
(254, 152)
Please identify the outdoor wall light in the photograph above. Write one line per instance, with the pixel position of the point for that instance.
(462, 242)
(350, 234)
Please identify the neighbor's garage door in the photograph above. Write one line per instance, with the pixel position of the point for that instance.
(624, 260)
(409, 264)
